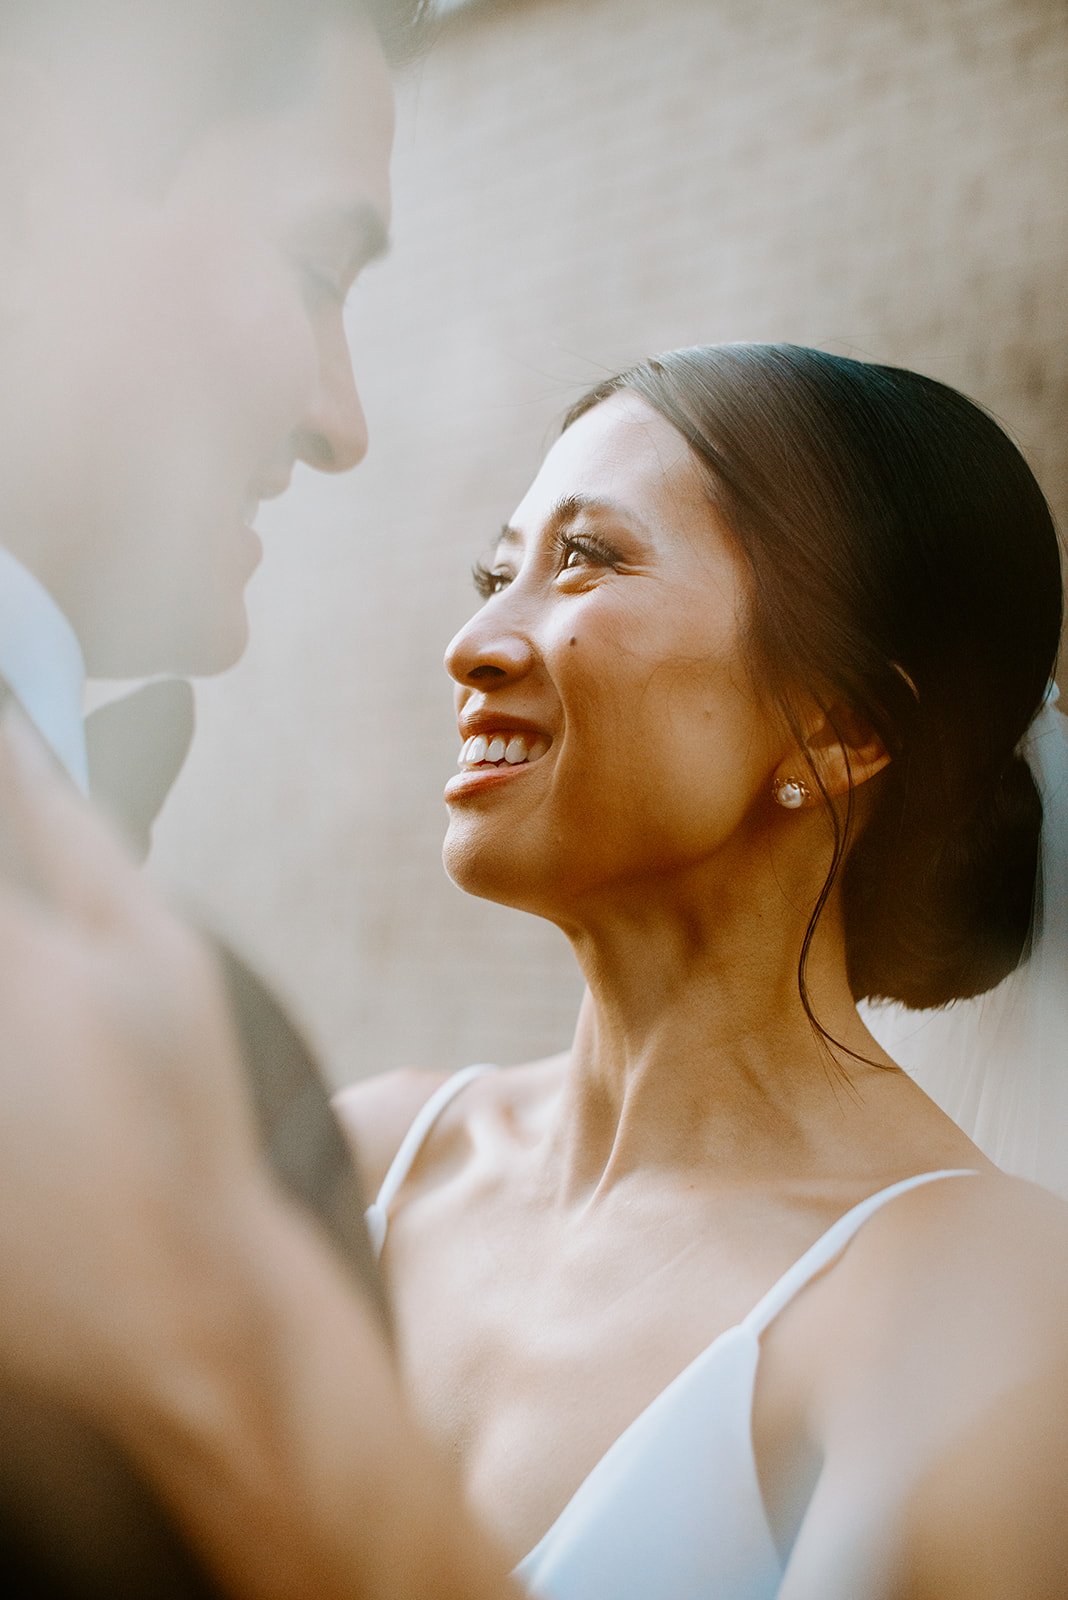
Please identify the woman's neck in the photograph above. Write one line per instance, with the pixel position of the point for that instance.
(693, 1046)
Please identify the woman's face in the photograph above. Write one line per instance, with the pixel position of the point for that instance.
(609, 654)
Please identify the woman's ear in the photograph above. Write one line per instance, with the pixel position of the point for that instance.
(844, 750)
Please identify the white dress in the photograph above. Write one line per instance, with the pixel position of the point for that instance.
(673, 1509)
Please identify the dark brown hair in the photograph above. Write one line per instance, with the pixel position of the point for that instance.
(904, 566)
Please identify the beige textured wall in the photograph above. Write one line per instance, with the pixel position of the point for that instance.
(580, 182)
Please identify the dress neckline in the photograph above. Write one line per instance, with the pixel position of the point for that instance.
(818, 1255)
(620, 1442)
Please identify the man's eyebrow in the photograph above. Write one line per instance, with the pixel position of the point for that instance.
(570, 509)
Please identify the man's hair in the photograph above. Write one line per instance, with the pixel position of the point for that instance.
(219, 57)
(400, 24)
(194, 62)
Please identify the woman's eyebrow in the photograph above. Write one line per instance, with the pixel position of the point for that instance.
(570, 509)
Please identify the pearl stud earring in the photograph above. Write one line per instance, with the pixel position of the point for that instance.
(790, 792)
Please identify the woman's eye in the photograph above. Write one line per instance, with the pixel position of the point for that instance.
(576, 555)
(571, 555)
(489, 581)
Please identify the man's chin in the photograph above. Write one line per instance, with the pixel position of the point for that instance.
(201, 650)
(220, 653)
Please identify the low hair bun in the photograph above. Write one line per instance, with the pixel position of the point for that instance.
(940, 914)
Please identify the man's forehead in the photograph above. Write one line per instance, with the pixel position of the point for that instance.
(149, 97)
(322, 161)
(341, 128)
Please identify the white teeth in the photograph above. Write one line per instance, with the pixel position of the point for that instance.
(513, 749)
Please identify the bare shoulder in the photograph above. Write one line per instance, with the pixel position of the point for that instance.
(376, 1113)
(938, 1405)
(964, 1280)
(982, 1230)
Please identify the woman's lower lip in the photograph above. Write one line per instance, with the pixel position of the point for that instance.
(478, 779)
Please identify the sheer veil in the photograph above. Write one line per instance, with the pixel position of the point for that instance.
(998, 1064)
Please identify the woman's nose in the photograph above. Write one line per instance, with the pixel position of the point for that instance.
(487, 653)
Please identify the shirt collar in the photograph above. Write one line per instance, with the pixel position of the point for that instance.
(41, 662)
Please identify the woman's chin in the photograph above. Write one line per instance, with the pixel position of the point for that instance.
(479, 878)
(490, 873)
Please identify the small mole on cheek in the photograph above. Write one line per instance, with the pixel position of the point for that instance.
(572, 640)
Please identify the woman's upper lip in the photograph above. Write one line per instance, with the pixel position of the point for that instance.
(489, 721)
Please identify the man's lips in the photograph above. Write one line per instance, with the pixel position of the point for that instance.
(265, 489)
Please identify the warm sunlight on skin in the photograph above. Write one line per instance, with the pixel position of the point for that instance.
(646, 1187)
(613, 633)
(661, 746)
(612, 641)
(180, 352)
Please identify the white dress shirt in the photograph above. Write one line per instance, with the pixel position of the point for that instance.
(41, 662)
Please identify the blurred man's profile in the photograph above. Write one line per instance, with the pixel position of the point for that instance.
(187, 195)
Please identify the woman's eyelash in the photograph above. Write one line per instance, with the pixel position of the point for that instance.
(489, 581)
(594, 551)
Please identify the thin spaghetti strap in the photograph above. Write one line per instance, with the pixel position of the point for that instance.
(377, 1214)
(832, 1243)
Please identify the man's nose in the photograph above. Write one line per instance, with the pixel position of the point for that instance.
(333, 435)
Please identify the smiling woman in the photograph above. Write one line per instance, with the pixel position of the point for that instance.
(740, 713)
(649, 672)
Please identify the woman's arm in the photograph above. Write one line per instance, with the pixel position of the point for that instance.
(989, 1519)
(944, 1415)
(984, 1518)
